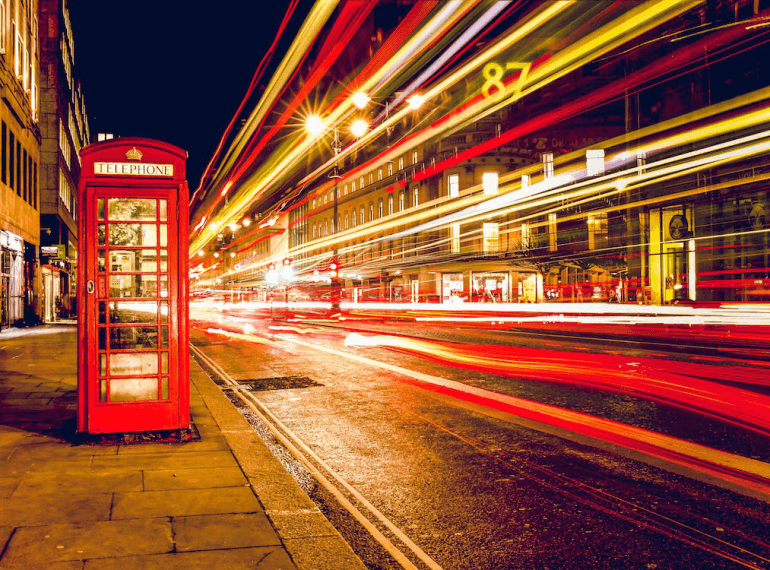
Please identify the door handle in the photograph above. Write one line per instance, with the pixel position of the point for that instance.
(90, 286)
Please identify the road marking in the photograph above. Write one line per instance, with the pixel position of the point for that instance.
(748, 473)
(291, 442)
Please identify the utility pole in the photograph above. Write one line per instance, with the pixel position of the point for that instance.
(335, 174)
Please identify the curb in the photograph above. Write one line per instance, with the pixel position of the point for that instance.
(310, 539)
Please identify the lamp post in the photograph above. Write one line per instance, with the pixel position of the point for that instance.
(335, 174)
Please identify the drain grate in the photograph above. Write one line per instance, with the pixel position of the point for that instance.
(278, 383)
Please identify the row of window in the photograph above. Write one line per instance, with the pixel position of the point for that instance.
(24, 31)
(17, 168)
(328, 196)
(350, 219)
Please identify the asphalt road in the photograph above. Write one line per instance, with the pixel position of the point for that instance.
(474, 485)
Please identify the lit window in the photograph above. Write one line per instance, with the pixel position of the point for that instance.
(347, 221)
(314, 205)
(400, 201)
(453, 183)
(371, 212)
(379, 207)
(346, 189)
(314, 231)
(361, 182)
(338, 191)
(352, 186)
(390, 205)
(401, 163)
(489, 180)
(379, 174)
(415, 197)
(390, 169)
(414, 157)
(354, 218)
(456, 237)
(326, 227)
(2, 26)
(371, 178)
(547, 158)
(491, 237)
(363, 215)
(326, 198)
(595, 162)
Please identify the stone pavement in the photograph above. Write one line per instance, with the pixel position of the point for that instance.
(221, 502)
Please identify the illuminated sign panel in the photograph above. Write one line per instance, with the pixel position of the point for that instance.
(133, 169)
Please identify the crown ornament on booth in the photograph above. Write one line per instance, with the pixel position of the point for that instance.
(134, 154)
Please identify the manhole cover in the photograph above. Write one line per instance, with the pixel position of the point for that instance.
(279, 383)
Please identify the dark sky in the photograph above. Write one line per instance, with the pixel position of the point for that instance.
(173, 70)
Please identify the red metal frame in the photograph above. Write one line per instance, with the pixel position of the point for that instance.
(104, 415)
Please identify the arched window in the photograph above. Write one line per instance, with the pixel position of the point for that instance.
(361, 182)
(331, 224)
(415, 197)
(371, 211)
(354, 217)
(347, 221)
(379, 174)
(400, 201)
(363, 215)
(314, 231)
(326, 227)
(390, 204)
(379, 206)
(339, 221)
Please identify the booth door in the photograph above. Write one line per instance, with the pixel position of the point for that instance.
(132, 311)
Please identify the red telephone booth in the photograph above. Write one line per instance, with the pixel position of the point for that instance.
(133, 367)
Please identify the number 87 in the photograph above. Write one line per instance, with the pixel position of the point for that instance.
(493, 73)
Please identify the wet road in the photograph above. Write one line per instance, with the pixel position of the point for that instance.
(459, 479)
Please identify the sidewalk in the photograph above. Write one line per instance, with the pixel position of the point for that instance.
(221, 502)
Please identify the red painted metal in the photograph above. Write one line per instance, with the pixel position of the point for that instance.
(132, 297)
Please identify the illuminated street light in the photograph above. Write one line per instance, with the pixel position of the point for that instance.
(415, 101)
(214, 226)
(216, 254)
(360, 99)
(200, 253)
(359, 128)
(314, 125)
(232, 254)
(233, 227)
(246, 222)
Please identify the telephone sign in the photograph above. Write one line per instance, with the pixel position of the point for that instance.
(133, 367)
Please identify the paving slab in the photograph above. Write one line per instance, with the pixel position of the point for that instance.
(334, 554)
(214, 532)
(184, 502)
(79, 481)
(166, 460)
(37, 546)
(261, 558)
(55, 509)
(202, 478)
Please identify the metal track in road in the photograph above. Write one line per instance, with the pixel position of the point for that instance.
(311, 461)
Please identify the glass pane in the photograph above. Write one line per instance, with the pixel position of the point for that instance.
(103, 390)
(129, 338)
(134, 285)
(143, 209)
(133, 234)
(164, 362)
(163, 286)
(102, 339)
(102, 263)
(133, 312)
(102, 313)
(164, 337)
(164, 388)
(102, 365)
(100, 208)
(163, 210)
(124, 260)
(100, 234)
(163, 260)
(133, 389)
(125, 363)
(164, 311)
(163, 235)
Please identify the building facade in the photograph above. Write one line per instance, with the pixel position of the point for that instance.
(20, 276)
(64, 130)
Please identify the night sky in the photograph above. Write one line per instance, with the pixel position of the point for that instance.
(173, 70)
